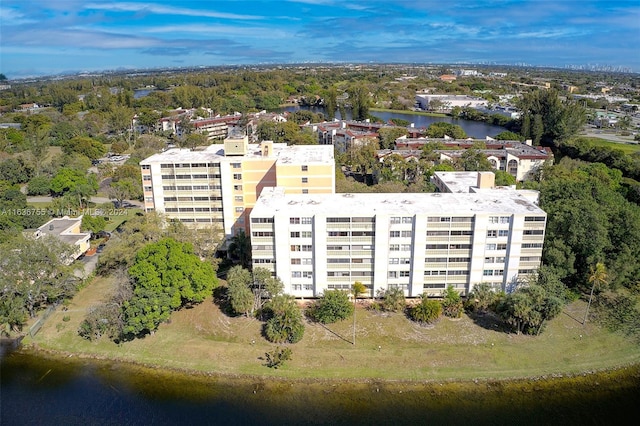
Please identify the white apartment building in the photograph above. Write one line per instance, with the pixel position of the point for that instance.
(418, 242)
(221, 183)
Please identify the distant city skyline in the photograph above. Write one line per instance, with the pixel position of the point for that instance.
(49, 37)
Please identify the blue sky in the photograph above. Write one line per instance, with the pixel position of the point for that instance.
(43, 37)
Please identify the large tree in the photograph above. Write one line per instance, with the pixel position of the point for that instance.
(166, 275)
(547, 119)
(34, 273)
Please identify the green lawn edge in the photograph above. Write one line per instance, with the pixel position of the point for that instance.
(203, 340)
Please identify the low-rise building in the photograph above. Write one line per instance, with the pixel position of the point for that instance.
(67, 230)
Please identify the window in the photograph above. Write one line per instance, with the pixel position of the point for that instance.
(505, 219)
(307, 274)
(306, 221)
(503, 233)
(295, 235)
(465, 233)
(394, 247)
(489, 260)
(306, 234)
(296, 287)
(437, 246)
(460, 259)
(406, 234)
(307, 261)
(262, 220)
(237, 187)
(460, 246)
(296, 274)
(237, 176)
(405, 247)
(295, 261)
(146, 178)
(498, 272)
(462, 219)
(394, 220)
(146, 167)
(436, 260)
(407, 219)
(487, 272)
(338, 219)
(457, 272)
(295, 247)
(435, 272)
(393, 274)
(433, 286)
(394, 234)
(494, 219)
(394, 261)
(239, 209)
(294, 220)
(337, 260)
(533, 232)
(437, 233)
(306, 248)
(304, 168)
(534, 218)
(404, 274)
(305, 191)
(305, 180)
(238, 198)
(501, 247)
(405, 261)
(531, 245)
(262, 234)
(490, 247)
(147, 188)
(338, 233)
(499, 259)
(308, 286)
(492, 234)
(235, 165)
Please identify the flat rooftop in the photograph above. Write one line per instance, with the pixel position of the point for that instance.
(491, 202)
(281, 153)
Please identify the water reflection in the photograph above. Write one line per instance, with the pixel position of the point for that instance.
(43, 391)
(474, 129)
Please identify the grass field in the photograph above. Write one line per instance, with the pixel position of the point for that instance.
(628, 148)
(388, 346)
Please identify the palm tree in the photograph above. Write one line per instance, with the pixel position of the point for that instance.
(598, 276)
(357, 289)
(240, 249)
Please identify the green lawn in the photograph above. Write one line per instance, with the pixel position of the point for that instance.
(387, 346)
(628, 148)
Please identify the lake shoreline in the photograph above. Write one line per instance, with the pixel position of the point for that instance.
(73, 357)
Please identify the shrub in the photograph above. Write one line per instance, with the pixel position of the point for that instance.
(285, 324)
(333, 306)
(452, 303)
(102, 320)
(394, 300)
(427, 311)
(277, 357)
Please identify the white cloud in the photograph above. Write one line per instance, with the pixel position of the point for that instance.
(166, 10)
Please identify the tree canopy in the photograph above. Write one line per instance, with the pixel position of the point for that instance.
(166, 276)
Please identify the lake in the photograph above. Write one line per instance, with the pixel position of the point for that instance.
(475, 129)
(38, 390)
